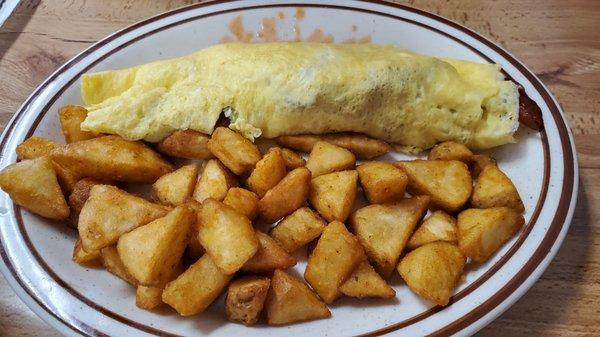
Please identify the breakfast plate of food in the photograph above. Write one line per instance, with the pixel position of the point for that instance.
(282, 168)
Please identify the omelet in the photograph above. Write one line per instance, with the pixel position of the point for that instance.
(412, 101)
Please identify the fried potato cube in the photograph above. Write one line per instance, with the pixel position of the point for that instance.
(176, 188)
(244, 201)
(226, 235)
(290, 300)
(286, 197)
(66, 178)
(448, 183)
(110, 212)
(112, 262)
(333, 260)
(302, 143)
(479, 162)
(71, 117)
(268, 172)
(194, 249)
(35, 147)
(450, 151)
(194, 290)
(148, 297)
(188, 144)
(298, 229)
(432, 271)
(494, 189)
(233, 150)
(439, 226)
(112, 158)
(365, 282)
(362, 146)
(292, 159)
(382, 182)
(383, 230)
(151, 252)
(481, 232)
(333, 194)
(269, 256)
(327, 158)
(245, 299)
(82, 257)
(214, 182)
(33, 185)
(78, 198)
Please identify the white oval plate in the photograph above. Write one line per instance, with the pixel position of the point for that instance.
(36, 253)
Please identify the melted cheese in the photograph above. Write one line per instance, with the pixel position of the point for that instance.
(274, 89)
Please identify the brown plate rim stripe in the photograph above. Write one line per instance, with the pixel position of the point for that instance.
(472, 287)
(85, 53)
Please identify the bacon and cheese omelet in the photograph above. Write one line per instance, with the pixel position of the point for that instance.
(412, 101)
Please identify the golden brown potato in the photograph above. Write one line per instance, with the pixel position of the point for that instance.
(365, 282)
(214, 182)
(245, 299)
(226, 235)
(194, 249)
(233, 150)
(33, 185)
(302, 143)
(112, 158)
(148, 297)
(112, 262)
(362, 146)
(270, 256)
(448, 183)
(243, 201)
(481, 232)
(195, 289)
(151, 252)
(298, 229)
(35, 147)
(188, 144)
(327, 158)
(382, 182)
(432, 271)
(287, 196)
(333, 194)
(84, 258)
(66, 178)
(292, 159)
(450, 151)
(439, 226)
(71, 117)
(290, 300)
(479, 162)
(110, 212)
(494, 189)
(333, 260)
(176, 188)
(78, 197)
(383, 230)
(268, 172)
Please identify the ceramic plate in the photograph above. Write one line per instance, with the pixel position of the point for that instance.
(36, 253)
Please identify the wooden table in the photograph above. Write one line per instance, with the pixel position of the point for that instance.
(559, 40)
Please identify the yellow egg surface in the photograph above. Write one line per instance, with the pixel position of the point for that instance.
(272, 89)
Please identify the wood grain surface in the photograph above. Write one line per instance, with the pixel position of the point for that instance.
(559, 40)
